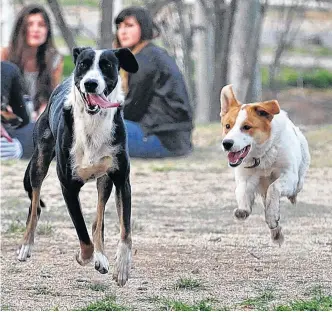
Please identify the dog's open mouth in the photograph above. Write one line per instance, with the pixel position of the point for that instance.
(236, 158)
(94, 102)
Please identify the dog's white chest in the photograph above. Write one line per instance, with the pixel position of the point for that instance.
(92, 153)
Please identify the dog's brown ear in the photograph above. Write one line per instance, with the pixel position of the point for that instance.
(127, 60)
(268, 109)
(227, 99)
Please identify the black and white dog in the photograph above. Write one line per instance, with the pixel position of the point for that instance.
(83, 128)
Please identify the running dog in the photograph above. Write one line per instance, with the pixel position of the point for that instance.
(270, 155)
(83, 128)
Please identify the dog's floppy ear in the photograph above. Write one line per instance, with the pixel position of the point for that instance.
(268, 109)
(227, 99)
(127, 60)
(77, 52)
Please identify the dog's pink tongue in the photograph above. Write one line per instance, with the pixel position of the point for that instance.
(234, 157)
(101, 101)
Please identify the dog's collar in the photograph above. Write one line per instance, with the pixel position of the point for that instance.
(257, 162)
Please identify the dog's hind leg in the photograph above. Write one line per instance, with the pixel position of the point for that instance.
(104, 187)
(33, 179)
(123, 254)
(285, 185)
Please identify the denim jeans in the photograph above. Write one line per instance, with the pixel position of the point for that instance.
(144, 147)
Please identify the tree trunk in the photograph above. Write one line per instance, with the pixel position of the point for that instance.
(223, 30)
(282, 42)
(187, 45)
(202, 112)
(244, 71)
(106, 34)
(66, 32)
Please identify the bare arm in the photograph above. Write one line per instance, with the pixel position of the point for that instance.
(4, 53)
(57, 73)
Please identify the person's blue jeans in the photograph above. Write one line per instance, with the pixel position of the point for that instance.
(144, 147)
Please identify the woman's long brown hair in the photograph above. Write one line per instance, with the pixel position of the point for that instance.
(45, 53)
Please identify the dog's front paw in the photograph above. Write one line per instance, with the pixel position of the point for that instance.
(277, 236)
(241, 214)
(101, 263)
(122, 264)
(24, 252)
(85, 254)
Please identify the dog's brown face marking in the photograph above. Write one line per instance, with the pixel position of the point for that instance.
(228, 120)
(258, 121)
(230, 108)
(258, 116)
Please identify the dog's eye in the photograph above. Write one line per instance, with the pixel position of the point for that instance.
(106, 65)
(83, 65)
(228, 126)
(246, 127)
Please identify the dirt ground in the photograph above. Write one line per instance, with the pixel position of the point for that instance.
(183, 227)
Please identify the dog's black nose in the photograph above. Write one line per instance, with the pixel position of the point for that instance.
(91, 85)
(227, 144)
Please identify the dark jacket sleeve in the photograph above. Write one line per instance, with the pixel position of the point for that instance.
(141, 88)
(12, 87)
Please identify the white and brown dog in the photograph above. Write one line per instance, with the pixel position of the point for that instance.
(270, 153)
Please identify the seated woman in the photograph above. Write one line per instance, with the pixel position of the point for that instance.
(157, 111)
(32, 49)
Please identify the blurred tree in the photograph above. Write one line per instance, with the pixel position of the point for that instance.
(223, 27)
(244, 68)
(65, 30)
(207, 60)
(286, 35)
(106, 24)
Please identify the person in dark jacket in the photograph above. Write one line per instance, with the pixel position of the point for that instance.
(157, 111)
(16, 128)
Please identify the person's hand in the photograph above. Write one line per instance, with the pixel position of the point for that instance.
(10, 150)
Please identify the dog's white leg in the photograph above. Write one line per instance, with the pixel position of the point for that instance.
(122, 262)
(284, 186)
(24, 251)
(104, 187)
(245, 195)
(123, 254)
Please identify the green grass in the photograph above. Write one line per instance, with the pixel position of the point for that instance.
(90, 3)
(97, 287)
(318, 302)
(106, 304)
(68, 65)
(163, 168)
(81, 41)
(311, 50)
(291, 77)
(45, 229)
(176, 305)
(187, 283)
(323, 303)
(259, 302)
(16, 227)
